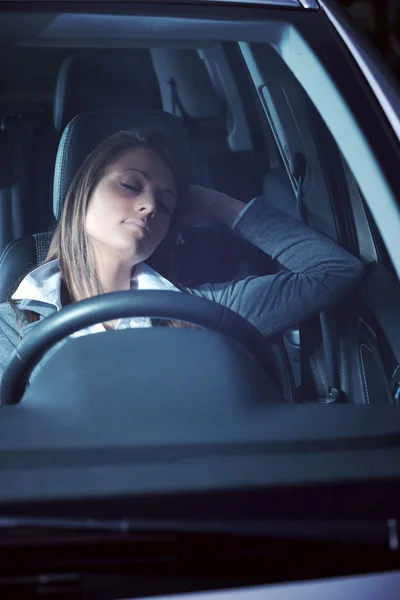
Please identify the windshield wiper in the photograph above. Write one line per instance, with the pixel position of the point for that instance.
(379, 532)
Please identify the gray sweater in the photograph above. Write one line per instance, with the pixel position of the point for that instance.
(316, 274)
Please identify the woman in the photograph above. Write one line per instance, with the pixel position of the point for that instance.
(125, 206)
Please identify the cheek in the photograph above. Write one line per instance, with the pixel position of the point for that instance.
(95, 219)
(103, 211)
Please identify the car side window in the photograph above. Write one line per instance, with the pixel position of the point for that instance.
(312, 160)
(296, 126)
(314, 164)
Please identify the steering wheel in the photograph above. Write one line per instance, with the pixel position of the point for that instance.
(155, 304)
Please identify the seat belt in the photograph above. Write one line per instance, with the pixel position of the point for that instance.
(328, 390)
(328, 329)
(178, 110)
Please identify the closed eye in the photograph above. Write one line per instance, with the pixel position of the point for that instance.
(131, 187)
(163, 206)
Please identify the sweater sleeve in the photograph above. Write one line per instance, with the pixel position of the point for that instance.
(316, 272)
(9, 335)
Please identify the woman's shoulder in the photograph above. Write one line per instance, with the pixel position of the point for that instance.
(11, 321)
(11, 317)
(9, 311)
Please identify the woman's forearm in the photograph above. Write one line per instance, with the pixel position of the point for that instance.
(294, 245)
(204, 204)
(226, 209)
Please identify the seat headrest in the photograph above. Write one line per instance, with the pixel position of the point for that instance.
(101, 79)
(194, 85)
(87, 131)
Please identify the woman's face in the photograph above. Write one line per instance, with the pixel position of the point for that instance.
(131, 207)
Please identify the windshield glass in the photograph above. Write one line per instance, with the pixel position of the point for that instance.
(195, 227)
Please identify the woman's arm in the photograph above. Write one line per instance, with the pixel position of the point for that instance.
(9, 336)
(316, 273)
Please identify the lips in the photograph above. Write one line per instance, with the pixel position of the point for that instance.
(137, 223)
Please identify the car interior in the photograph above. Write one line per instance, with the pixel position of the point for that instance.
(250, 129)
(215, 422)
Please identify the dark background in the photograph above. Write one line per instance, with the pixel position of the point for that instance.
(380, 19)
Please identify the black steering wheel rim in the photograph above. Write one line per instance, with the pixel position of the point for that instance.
(154, 304)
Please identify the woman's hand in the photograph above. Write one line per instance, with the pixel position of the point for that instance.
(204, 204)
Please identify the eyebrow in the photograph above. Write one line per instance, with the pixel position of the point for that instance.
(147, 176)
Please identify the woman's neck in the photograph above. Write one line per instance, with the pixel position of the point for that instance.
(114, 272)
(114, 277)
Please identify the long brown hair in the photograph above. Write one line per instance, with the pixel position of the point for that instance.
(70, 244)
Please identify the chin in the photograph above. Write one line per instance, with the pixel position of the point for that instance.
(141, 249)
(142, 254)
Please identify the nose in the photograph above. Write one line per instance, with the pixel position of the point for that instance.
(147, 206)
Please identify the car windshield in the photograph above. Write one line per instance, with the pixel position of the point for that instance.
(211, 191)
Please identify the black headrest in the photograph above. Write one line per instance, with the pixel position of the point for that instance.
(101, 79)
(87, 131)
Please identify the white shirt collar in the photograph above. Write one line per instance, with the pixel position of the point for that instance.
(43, 283)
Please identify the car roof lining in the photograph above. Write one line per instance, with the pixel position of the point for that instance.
(56, 34)
(105, 30)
